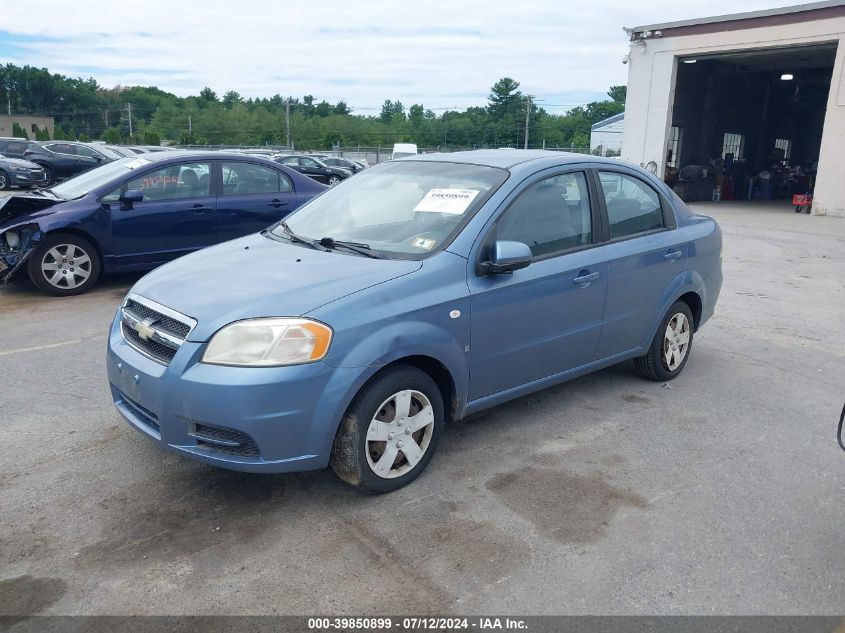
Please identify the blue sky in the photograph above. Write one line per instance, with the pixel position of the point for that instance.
(439, 53)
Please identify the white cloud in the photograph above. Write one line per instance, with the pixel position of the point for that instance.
(439, 53)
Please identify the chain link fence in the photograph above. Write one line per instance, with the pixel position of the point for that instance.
(379, 153)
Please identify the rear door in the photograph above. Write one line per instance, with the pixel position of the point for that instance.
(312, 168)
(546, 318)
(177, 215)
(252, 197)
(646, 258)
(66, 162)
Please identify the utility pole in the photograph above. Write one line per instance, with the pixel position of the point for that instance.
(445, 127)
(527, 118)
(129, 108)
(287, 121)
(190, 127)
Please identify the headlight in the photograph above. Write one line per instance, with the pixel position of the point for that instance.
(26, 169)
(269, 343)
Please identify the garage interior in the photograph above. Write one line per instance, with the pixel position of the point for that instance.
(748, 125)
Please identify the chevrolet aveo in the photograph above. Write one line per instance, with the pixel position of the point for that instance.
(416, 293)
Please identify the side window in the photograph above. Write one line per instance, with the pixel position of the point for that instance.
(183, 180)
(113, 195)
(291, 161)
(244, 178)
(307, 162)
(81, 150)
(551, 216)
(62, 148)
(632, 205)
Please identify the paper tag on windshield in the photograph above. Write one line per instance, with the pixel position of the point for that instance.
(454, 201)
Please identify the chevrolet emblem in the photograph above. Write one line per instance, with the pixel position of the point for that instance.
(145, 329)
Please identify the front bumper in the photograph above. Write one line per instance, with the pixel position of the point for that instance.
(275, 419)
(27, 179)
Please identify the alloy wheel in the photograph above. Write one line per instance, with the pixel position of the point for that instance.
(66, 266)
(399, 434)
(676, 341)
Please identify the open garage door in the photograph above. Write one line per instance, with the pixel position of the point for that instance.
(748, 125)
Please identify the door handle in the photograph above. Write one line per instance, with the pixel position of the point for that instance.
(670, 257)
(584, 280)
(277, 203)
(199, 208)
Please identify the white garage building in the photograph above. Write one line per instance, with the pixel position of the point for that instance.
(759, 97)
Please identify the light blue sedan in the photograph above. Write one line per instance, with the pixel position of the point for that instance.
(414, 294)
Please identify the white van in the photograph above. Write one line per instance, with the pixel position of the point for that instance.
(400, 150)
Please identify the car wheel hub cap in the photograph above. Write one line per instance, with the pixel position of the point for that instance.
(676, 341)
(66, 266)
(399, 434)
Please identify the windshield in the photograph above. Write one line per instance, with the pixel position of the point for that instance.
(93, 178)
(406, 209)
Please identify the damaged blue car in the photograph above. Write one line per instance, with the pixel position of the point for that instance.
(137, 213)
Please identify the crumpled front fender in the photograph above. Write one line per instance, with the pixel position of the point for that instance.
(17, 243)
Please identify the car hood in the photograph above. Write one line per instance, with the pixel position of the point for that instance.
(27, 204)
(19, 162)
(256, 276)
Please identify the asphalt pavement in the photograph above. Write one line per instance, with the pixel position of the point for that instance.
(721, 493)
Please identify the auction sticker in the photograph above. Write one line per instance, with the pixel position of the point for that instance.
(454, 201)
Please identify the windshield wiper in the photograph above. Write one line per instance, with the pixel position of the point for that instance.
(355, 247)
(293, 237)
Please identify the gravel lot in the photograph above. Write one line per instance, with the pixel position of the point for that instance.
(724, 494)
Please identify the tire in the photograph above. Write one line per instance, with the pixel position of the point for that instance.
(334, 180)
(361, 458)
(55, 273)
(5, 181)
(669, 344)
(49, 174)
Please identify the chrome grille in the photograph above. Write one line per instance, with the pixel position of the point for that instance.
(152, 329)
(162, 320)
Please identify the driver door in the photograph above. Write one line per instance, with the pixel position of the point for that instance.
(546, 318)
(178, 215)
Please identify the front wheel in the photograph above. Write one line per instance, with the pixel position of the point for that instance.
(334, 180)
(5, 181)
(64, 265)
(671, 346)
(389, 434)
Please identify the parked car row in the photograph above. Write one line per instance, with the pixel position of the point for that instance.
(54, 161)
(133, 214)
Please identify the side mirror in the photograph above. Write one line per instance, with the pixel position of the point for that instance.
(130, 197)
(507, 257)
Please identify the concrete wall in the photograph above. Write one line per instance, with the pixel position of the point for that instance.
(26, 122)
(651, 93)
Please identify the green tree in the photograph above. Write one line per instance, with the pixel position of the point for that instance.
(18, 131)
(618, 93)
(231, 98)
(112, 136)
(151, 137)
(504, 99)
(207, 96)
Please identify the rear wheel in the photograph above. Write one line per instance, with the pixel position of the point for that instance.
(64, 265)
(390, 432)
(671, 346)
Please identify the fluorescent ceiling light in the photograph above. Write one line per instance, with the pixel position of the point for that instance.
(786, 77)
